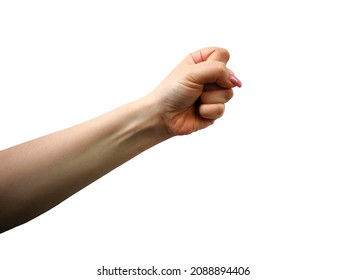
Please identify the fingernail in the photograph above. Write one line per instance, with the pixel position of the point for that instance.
(235, 80)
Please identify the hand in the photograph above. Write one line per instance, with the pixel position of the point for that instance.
(192, 97)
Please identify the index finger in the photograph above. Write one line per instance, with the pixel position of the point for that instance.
(211, 72)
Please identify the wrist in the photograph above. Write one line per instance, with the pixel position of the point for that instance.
(149, 119)
(137, 127)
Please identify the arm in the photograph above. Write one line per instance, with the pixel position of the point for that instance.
(37, 175)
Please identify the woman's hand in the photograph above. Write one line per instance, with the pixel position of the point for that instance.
(192, 97)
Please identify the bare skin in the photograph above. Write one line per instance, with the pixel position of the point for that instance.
(37, 175)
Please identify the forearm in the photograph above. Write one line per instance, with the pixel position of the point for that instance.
(37, 175)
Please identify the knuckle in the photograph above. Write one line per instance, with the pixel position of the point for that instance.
(220, 67)
(224, 53)
(228, 95)
(219, 110)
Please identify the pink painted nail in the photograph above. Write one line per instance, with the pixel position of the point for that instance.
(235, 80)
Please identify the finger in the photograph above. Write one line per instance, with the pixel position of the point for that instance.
(211, 111)
(209, 87)
(214, 86)
(210, 54)
(211, 72)
(214, 54)
(234, 80)
(216, 96)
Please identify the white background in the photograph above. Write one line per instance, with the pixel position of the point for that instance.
(263, 188)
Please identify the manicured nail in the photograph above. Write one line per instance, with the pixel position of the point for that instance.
(235, 80)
